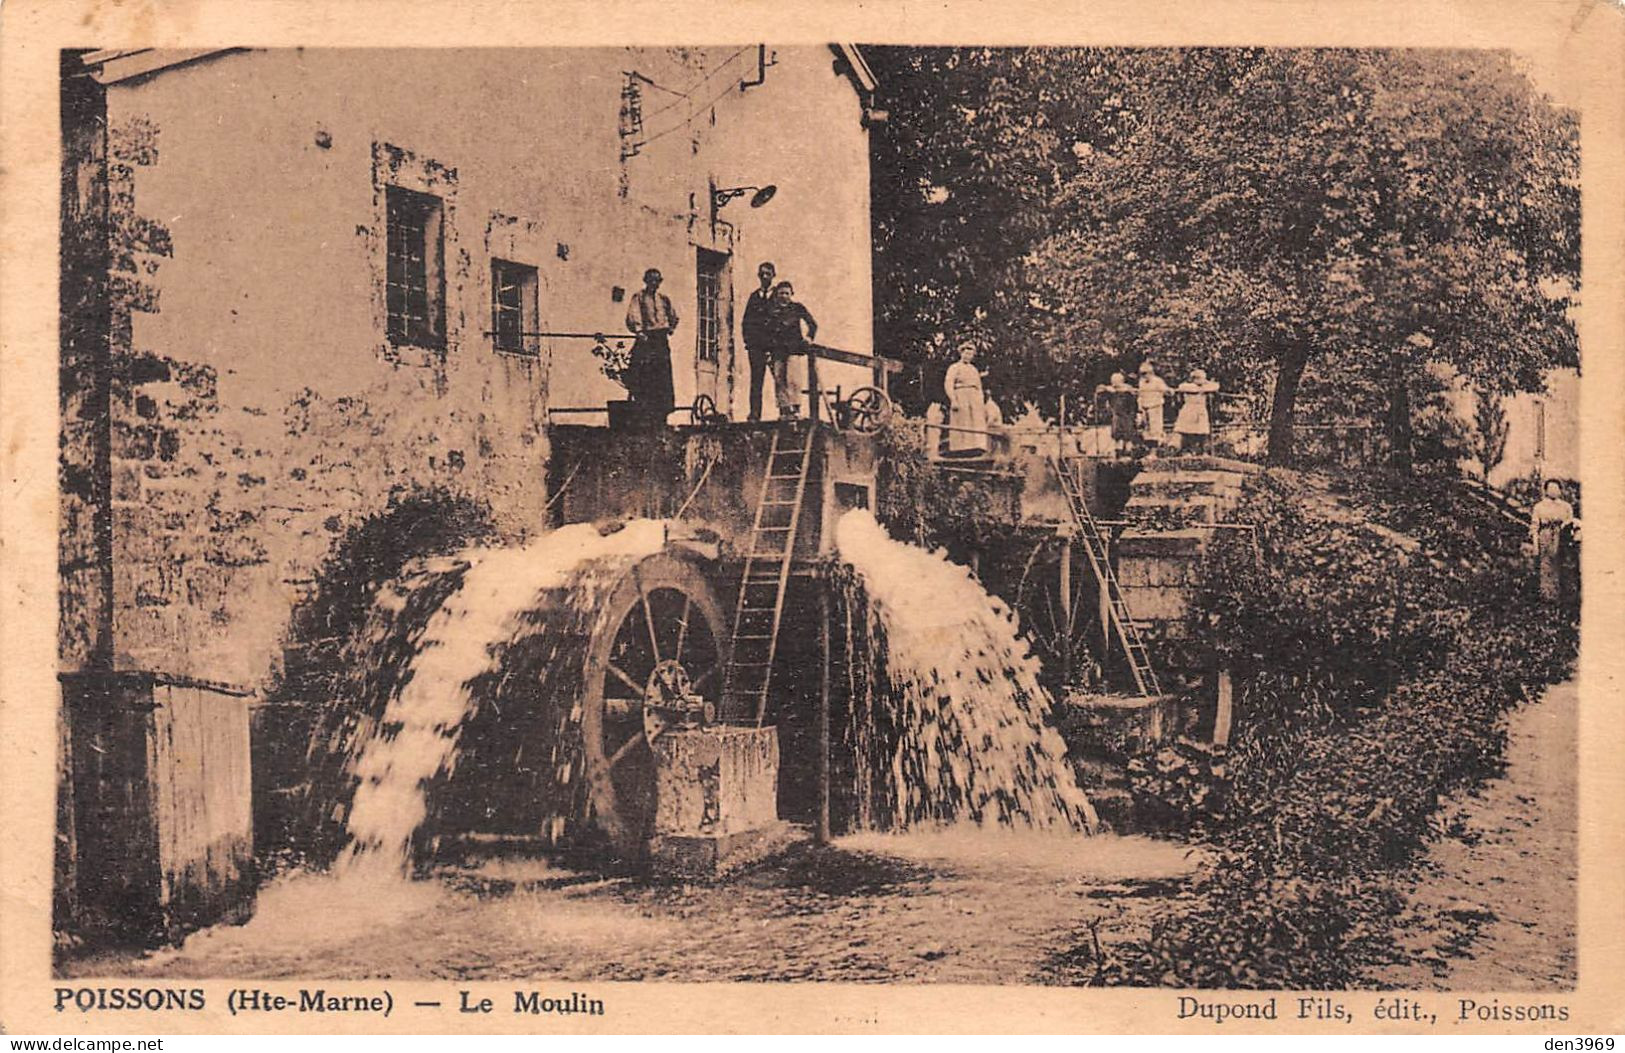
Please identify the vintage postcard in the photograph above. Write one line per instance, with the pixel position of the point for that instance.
(576, 518)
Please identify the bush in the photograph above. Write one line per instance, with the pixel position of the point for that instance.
(299, 759)
(1440, 438)
(1379, 634)
(923, 504)
(1255, 926)
(1490, 430)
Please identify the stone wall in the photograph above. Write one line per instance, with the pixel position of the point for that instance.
(1173, 505)
(84, 555)
(233, 405)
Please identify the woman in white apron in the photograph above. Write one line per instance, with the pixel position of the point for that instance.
(1195, 423)
(1549, 521)
(967, 406)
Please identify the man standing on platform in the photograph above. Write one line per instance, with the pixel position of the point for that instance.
(648, 375)
(755, 330)
(785, 338)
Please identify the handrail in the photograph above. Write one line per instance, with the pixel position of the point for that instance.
(851, 358)
(1498, 501)
(923, 424)
(599, 337)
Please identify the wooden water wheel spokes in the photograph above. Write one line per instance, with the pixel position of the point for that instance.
(658, 643)
(1056, 612)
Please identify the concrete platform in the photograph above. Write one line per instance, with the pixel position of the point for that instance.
(1192, 480)
(1199, 462)
(1156, 603)
(1134, 723)
(1185, 508)
(1148, 542)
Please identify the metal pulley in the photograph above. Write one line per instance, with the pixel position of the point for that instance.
(669, 701)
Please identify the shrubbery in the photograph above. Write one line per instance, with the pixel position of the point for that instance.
(920, 503)
(1378, 635)
(304, 736)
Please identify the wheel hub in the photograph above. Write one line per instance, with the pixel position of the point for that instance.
(663, 694)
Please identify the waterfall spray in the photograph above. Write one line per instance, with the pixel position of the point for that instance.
(416, 739)
(948, 718)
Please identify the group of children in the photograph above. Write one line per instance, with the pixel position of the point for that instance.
(1138, 414)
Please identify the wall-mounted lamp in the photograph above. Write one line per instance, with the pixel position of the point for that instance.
(720, 196)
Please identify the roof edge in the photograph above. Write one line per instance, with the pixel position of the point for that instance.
(857, 67)
(112, 65)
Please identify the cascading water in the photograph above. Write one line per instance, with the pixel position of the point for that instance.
(503, 615)
(948, 720)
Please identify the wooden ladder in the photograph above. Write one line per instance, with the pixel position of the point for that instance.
(1094, 543)
(768, 556)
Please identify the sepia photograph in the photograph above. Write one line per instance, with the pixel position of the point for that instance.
(905, 514)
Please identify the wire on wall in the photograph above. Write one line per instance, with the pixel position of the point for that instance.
(633, 141)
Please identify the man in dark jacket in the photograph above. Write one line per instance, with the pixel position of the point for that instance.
(785, 337)
(754, 328)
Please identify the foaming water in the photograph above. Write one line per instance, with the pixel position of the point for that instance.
(359, 924)
(416, 738)
(949, 720)
(303, 912)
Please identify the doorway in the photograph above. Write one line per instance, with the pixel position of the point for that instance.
(714, 350)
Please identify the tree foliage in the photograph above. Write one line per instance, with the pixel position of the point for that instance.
(964, 179)
(1490, 429)
(1271, 215)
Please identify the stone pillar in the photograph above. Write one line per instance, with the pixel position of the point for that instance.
(716, 799)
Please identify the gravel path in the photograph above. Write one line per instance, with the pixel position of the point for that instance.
(1493, 908)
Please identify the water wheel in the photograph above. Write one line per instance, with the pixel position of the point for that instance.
(661, 638)
(1056, 601)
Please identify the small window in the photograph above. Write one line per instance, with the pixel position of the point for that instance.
(513, 307)
(416, 276)
(709, 283)
(851, 495)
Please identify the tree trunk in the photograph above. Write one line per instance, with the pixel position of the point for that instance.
(1292, 357)
(1399, 418)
